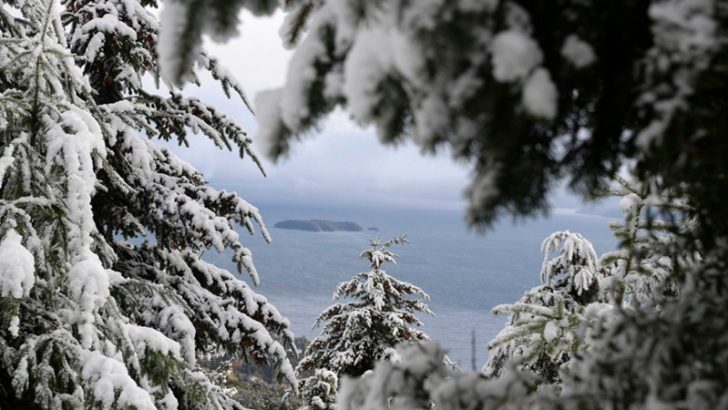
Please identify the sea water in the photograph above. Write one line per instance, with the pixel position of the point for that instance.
(466, 273)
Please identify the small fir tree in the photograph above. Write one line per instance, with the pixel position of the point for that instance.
(643, 269)
(378, 314)
(541, 331)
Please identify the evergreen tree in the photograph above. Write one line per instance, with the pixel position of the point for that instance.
(378, 314)
(660, 343)
(543, 329)
(644, 269)
(90, 319)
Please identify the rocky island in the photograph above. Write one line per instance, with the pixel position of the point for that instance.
(319, 225)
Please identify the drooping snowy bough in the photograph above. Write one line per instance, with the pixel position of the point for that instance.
(89, 319)
(526, 92)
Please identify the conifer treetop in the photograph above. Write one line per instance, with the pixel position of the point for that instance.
(378, 312)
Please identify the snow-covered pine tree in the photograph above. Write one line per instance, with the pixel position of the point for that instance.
(660, 341)
(544, 327)
(642, 272)
(89, 319)
(377, 314)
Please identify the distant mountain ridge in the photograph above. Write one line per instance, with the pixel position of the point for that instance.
(319, 225)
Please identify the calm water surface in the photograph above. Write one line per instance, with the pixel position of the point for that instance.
(465, 273)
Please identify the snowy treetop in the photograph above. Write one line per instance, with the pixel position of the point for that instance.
(377, 312)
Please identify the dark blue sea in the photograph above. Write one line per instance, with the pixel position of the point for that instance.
(466, 273)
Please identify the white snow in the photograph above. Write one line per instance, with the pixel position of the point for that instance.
(14, 327)
(484, 188)
(515, 55)
(692, 23)
(109, 23)
(540, 97)
(17, 267)
(270, 125)
(628, 202)
(173, 321)
(431, 121)
(173, 14)
(88, 282)
(146, 338)
(407, 56)
(287, 28)
(72, 141)
(299, 80)
(370, 61)
(139, 152)
(6, 160)
(94, 46)
(578, 52)
(550, 331)
(112, 385)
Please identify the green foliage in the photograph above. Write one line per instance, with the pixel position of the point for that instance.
(159, 368)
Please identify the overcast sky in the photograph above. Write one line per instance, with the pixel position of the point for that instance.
(341, 165)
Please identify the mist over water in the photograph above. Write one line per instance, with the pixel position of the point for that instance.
(465, 273)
